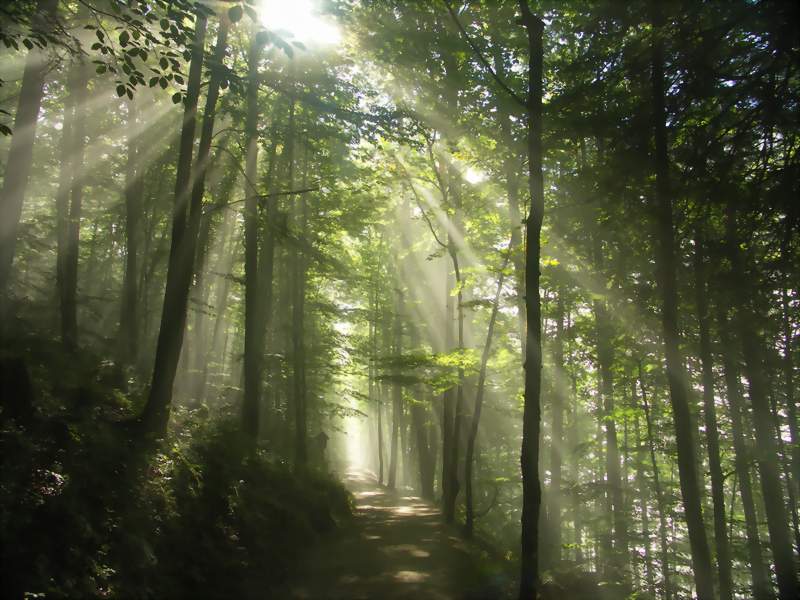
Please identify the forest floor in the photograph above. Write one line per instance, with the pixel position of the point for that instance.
(398, 547)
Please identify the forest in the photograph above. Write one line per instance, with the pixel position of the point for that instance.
(464, 299)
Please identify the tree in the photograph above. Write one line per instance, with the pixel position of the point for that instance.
(676, 375)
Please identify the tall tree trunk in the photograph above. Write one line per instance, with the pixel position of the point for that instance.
(615, 539)
(458, 419)
(788, 365)
(476, 415)
(532, 411)
(128, 338)
(20, 154)
(419, 418)
(557, 432)
(710, 420)
(572, 443)
(375, 399)
(300, 230)
(660, 501)
(666, 276)
(181, 253)
(766, 448)
(418, 409)
(397, 389)
(644, 501)
(65, 177)
(69, 263)
(253, 333)
(448, 414)
(762, 588)
(266, 270)
(385, 339)
(207, 350)
(228, 254)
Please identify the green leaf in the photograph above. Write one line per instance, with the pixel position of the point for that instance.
(120, 90)
(176, 97)
(263, 38)
(235, 13)
(124, 37)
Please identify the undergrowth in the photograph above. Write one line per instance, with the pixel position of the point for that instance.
(85, 513)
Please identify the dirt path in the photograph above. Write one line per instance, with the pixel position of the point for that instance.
(398, 548)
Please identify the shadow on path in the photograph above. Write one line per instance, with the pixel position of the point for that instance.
(399, 548)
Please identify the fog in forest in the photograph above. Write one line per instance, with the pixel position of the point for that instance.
(469, 299)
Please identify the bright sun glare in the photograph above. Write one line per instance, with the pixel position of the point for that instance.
(301, 19)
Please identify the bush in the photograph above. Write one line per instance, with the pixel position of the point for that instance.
(86, 513)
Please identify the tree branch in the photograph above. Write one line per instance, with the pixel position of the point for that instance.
(481, 58)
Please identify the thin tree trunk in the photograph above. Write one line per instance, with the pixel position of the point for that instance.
(666, 266)
(134, 188)
(557, 432)
(299, 227)
(381, 391)
(373, 397)
(788, 365)
(762, 588)
(458, 420)
(532, 412)
(266, 269)
(662, 505)
(710, 420)
(448, 414)
(397, 389)
(615, 539)
(206, 352)
(69, 264)
(644, 500)
(766, 448)
(181, 255)
(65, 176)
(572, 441)
(476, 415)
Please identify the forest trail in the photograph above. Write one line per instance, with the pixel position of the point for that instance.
(398, 548)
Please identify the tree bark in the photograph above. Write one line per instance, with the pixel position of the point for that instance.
(666, 265)
(448, 414)
(397, 389)
(710, 420)
(476, 415)
(69, 264)
(766, 448)
(253, 333)
(155, 416)
(532, 412)
(557, 432)
(660, 501)
(300, 229)
(762, 588)
(644, 501)
(615, 539)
